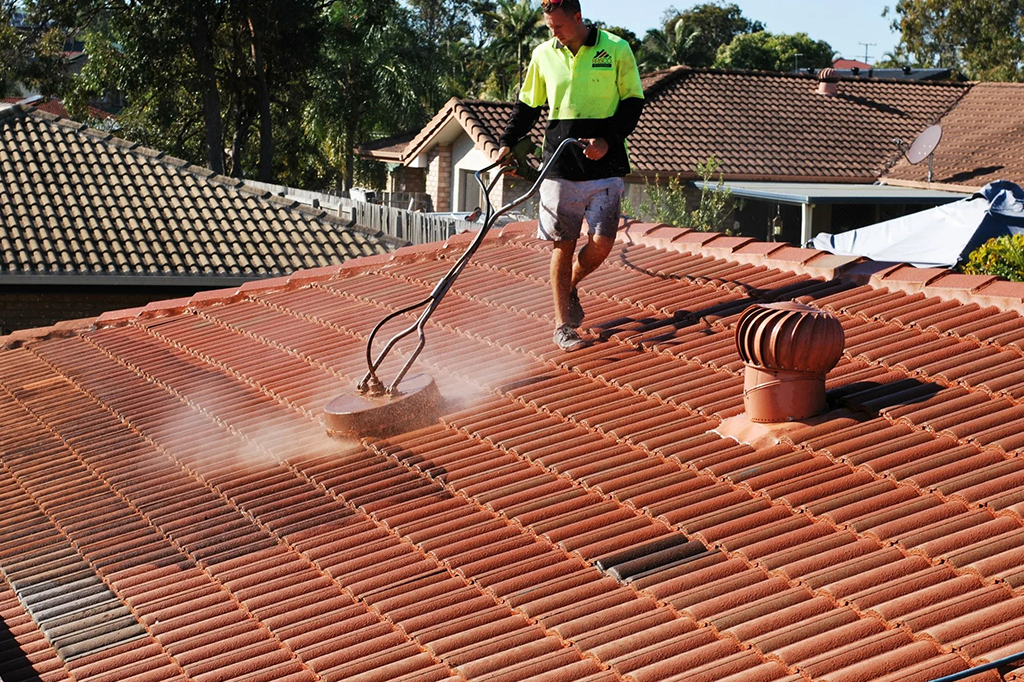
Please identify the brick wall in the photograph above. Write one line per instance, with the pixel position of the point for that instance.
(26, 307)
(410, 180)
(439, 177)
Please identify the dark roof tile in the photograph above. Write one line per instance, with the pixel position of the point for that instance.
(105, 223)
(972, 151)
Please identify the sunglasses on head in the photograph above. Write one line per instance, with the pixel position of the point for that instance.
(548, 5)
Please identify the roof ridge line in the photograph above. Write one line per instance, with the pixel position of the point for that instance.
(430, 127)
(800, 76)
(942, 283)
(475, 128)
(12, 111)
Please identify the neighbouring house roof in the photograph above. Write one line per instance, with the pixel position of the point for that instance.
(387, 148)
(981, 141)
(173, 509)
(849, 64)
(482, 120)
(760, 126)
(56, 107)
(79, 202)
(764, 126)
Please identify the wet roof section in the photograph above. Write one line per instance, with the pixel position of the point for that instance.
(571, 516)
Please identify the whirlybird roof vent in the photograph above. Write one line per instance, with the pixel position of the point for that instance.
(788, 349)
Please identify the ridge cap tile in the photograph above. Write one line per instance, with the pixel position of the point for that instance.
(165, 307)
(116, 317)
(261, 286)
(1002, 288)
(212, 296)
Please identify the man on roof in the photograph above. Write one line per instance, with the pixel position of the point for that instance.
(589, 79)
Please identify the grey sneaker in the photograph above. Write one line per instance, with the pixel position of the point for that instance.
(576, 314)
(567, 339)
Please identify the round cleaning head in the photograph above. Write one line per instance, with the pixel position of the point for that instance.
(356, 414)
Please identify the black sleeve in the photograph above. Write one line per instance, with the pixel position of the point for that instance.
(519, 124)
(627, 115)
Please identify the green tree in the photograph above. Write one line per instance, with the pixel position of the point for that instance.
(446, 63)
(12, 56)
(766, 51)
(196, 74)
(670, 202)
(982, 38)
(693, 36)
(33, 52)
(515, 27)
(1000, 256)
(631, 38)
(365, 85)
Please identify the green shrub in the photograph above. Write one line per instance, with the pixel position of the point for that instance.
(668, 203)
(1001, 256)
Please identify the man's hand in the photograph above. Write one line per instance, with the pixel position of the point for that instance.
(505, 155)
(596, 148)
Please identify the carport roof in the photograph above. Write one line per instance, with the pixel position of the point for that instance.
(831, 193)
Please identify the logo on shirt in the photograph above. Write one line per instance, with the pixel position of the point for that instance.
(602, 60)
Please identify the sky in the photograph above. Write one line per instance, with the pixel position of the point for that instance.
(843, 24)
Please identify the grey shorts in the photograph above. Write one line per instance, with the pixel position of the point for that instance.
(565, 203)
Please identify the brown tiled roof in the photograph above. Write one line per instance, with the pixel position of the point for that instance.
(570, 517)
(981, 141)
(387, 148)
(78, 201)
(483, 121)
(769, 126)
(761, 126)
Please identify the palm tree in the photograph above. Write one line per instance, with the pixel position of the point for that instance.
(516, 27)
(362, 38)
(677, 43)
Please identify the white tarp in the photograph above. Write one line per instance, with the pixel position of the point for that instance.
(938, 237)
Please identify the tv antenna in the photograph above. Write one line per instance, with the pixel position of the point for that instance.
(922, 148)
(866, 46)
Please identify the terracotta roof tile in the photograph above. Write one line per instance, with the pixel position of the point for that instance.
(973, 150)
(124, 210)
(569, 517)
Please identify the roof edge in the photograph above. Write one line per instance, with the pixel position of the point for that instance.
(428, 131)
(664, 75)
(118, 279)
(941, 186)
(310, 277)
(760, 177)
(941, 283)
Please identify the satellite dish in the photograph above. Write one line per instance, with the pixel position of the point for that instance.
(925, 144)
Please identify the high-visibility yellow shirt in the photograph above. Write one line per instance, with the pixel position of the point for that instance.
(589, 84)
(595, 93)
